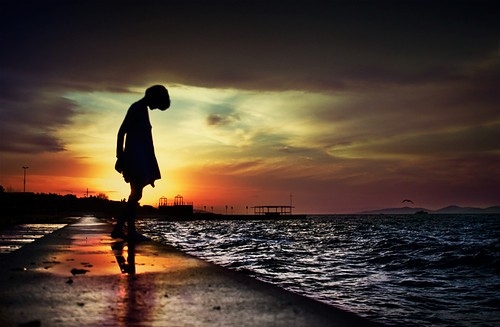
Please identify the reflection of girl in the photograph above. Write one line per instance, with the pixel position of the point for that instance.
(137, 160)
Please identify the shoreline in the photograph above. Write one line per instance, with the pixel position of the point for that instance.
(73, 278)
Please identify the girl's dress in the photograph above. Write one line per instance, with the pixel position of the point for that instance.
(137, 161)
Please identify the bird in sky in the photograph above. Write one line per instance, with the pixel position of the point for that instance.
(407, 200)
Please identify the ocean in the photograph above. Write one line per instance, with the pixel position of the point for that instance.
(15, 237)
(401, 270)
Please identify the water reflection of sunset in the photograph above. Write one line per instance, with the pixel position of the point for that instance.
(95, 255)
(91, 253)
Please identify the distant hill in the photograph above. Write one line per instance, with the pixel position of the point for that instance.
(446, 210)
(457, 209)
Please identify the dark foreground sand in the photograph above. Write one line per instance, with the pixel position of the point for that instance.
(72, 277)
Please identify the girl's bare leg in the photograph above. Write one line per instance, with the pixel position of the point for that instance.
(133, 202)
(129, 213)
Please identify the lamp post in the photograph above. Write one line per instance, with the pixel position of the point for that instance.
(24, 181)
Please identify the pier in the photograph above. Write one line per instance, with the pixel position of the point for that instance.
(272, 210)
(79, 276)
(180, 210)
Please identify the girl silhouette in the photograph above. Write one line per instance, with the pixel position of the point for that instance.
(135, 154)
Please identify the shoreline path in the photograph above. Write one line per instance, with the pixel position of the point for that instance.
(79, 276)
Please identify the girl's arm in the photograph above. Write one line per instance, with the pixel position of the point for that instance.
(119, 141)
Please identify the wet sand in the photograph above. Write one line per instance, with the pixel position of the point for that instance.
(79, 276)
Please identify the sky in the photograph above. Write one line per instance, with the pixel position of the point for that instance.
(337, 107)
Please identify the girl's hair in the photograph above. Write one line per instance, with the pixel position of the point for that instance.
(159, 94)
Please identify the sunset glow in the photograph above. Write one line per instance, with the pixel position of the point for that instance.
(349, 114)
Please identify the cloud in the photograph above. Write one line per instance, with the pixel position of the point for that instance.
(399, 115)
(245, 45)
(30, 120)
(464, 142)
(325, 95)
(217, 119)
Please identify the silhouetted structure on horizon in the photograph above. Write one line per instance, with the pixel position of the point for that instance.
(177, 209)
(272, 210)
(20, 207)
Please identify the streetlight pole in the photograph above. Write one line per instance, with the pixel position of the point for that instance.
(24, 182)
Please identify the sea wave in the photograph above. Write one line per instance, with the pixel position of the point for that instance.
(403, 270)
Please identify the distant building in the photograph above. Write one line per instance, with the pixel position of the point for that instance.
(272, 210)
(177, 209)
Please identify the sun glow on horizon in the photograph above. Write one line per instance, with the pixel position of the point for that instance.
(230, 147)
(207, 138)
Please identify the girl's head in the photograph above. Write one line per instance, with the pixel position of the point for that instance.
(157, 97)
